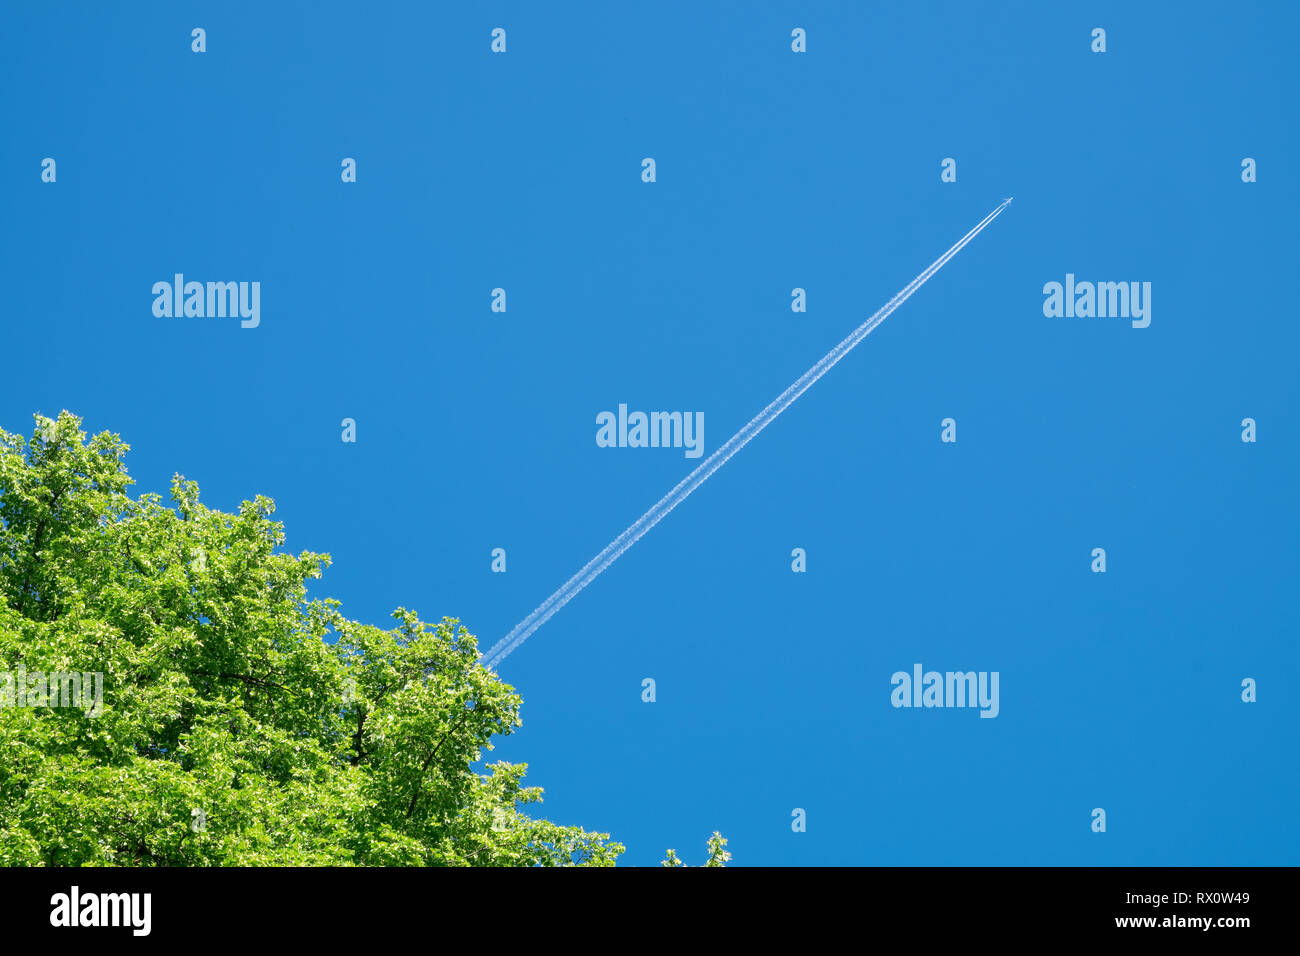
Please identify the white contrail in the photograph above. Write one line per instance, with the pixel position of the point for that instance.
(701, 474)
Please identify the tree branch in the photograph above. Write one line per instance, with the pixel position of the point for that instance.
(429, 760)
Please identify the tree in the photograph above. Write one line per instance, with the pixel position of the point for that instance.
(237, 723)
(718, 853)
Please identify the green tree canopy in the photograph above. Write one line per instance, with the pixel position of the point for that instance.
(240, 723)
(718, 853)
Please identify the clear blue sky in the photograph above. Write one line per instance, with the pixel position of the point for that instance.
(775, 170)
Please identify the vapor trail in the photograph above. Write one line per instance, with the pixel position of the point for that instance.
(524, 629)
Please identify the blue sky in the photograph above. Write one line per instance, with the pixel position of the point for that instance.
(775, 170)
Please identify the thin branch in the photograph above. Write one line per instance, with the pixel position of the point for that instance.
(429, 760)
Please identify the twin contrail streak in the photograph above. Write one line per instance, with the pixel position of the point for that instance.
(524, 629)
